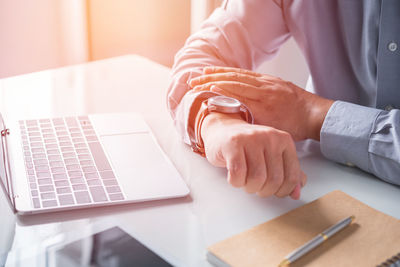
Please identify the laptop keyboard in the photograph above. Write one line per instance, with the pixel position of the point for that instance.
(66, 164)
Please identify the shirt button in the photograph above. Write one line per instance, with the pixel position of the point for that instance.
(392, 46)
(388, 107)
(349, 164)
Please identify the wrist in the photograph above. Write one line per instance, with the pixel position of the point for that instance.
(215, 119)
(317, 108)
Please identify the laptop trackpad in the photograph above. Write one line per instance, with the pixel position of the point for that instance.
(142, 169)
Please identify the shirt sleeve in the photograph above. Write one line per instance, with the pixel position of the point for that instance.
(242, 34)
(365, 137)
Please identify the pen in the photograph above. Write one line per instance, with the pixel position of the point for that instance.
(316, 241)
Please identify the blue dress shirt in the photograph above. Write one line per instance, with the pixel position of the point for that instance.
(352, 48)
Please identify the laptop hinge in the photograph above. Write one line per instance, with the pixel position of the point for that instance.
(8, 187)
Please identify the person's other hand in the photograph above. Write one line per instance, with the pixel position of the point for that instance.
(273, 101)
(261, 159)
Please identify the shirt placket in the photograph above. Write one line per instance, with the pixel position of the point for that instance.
(388, 62)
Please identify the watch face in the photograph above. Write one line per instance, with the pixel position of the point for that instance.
(224, 104)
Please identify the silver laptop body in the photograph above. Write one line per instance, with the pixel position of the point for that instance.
(78, 162)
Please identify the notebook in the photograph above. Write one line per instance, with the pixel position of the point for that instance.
(370, 240)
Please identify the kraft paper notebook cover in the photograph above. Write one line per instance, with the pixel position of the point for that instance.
(371, 239)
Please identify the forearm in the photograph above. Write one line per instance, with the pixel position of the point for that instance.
(230, 37)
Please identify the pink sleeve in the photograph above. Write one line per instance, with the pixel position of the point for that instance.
(242, 34)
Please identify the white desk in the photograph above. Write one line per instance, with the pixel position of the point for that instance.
(182, 228)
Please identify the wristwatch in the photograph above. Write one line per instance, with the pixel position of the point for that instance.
(221, 104)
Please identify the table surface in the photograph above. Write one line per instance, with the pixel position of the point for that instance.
(178, 229)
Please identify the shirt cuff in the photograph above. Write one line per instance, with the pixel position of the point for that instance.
(346, 132)
(187, 113)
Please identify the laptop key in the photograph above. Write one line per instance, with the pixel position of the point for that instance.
(82, 151)
(76, 181)
(113, 189)
(63, 190)
(98, 193)
(115, 197)
(29, 165)
(107, 175)
(67, 149)
(60, 176)
(37, 150)
(49, 203)
(51, 146)
(82, 197)
(61, 183)
(69, 155)
(110, 182)
(80, 145)
(86, 163)
(46, 188)
(33, 185)
(91, 175)
(34, 193)
(54, 157)
(44, 181)
(63, 138)
(73, 167)
(43, 174)
(75, 174)
(41, 168)
(65, 143)
(48, 195)
(70, 161)
(79, 187)
(99, 157)
(78, 140)
(53, 152)
(66, 200)
(84, 157)
(88, 169)
(36, 202)
(40, 161)
(57, 163)
(76, 135)
(58, 170)
(93, 182)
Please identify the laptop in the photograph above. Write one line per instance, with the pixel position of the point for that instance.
(64, 163)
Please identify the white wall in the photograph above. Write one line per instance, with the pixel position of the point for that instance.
(156, 29)
(41, 34)
(289, 64)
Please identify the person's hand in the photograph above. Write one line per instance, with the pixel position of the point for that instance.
(261, 159)
(273, 101)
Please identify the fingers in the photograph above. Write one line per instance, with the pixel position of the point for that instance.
(215, 69)
(275, 171)
(296, 192)
(292, 170)
(228, 76)
(236, 166)
(237, 90)
(256, 170)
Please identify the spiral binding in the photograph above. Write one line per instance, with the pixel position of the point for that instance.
(391, 262)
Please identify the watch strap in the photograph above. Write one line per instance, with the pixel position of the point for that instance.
(197, 143)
